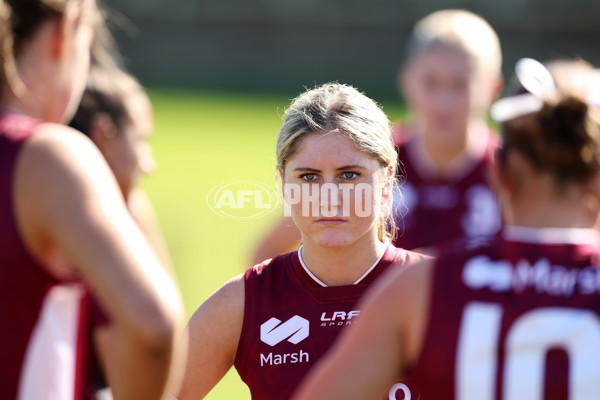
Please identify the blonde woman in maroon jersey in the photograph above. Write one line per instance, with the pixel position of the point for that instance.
(519, 317)
(275, 321)
(60, 207)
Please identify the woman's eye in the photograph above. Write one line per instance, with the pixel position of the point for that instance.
(350, 175)
(308, 177)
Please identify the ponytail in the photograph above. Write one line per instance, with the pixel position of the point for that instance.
(572, 137)
(563, 138)
(554, 118)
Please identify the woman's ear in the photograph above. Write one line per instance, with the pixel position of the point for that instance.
(56, 26)
(102, 131)
(515, 172)
(511, 173)
(495, 86)
(388, 181)
(291, 192)
(64, 28)
(507, 173)
(280, 175)
(498, 88)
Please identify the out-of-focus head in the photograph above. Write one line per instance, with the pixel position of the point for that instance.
(557, 130)
(452, 71)
(461, 31)
(116, 114)
(334, 134)
(59, 33)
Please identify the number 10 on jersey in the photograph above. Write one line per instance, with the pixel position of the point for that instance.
(526, 345)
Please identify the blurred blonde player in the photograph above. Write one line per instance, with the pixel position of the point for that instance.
(64, 226)
(517, 317)
(450, 78)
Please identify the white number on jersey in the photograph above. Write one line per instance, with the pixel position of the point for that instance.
(527, 343)
(399, 389)
(483, 215)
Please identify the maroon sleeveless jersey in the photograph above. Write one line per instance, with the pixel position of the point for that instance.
(433, 210)
(44, 340)
(291, 319)
(516, 319)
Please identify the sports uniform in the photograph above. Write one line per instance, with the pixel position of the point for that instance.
(291, 319)
(434, 209)
(515, 319)
(45, 335)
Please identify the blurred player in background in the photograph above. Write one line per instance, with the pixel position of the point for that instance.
(517, 318)
(276, 320)
(116, 114)
(449, 80)
(60, 207)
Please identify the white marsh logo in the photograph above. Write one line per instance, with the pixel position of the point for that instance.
(273, 332)
(294, 330)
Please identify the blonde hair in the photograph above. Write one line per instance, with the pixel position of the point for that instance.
(335, 107)
(459, 30)
(20, 20)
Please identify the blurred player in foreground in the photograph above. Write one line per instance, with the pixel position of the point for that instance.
(449, 79)
(514, 319)
(337, 165)
(60, 207)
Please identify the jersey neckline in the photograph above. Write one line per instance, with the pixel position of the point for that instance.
(363, 276)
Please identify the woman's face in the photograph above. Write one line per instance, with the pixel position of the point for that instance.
(444, 90)
(335, 192)
(129, 153)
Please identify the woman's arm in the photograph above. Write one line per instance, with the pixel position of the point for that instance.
(214, 332)
(143, 213)
(68, 203)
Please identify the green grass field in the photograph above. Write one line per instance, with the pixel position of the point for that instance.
(203, 139)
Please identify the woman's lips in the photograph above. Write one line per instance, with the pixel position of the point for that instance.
(330, 221)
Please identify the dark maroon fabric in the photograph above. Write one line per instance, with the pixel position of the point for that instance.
(23, 282)
(282, 289)
(442, 209)
(527, 313)
(93, 317)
